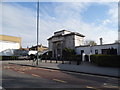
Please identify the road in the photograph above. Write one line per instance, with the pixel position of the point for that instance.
(16, 76)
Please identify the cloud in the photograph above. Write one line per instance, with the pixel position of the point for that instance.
(79, 0)
(21, 21)
(0, 19)
(113, 12)
(70, 18)
(107, 21)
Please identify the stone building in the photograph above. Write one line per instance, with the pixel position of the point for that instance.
(64, 39)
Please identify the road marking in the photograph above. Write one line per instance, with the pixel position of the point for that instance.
(111, 86)
(89, 87)
(35, 75)
(60, 80)
(92, 88)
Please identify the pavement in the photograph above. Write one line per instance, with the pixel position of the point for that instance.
(84, 67)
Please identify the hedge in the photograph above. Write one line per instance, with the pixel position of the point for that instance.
(106, 60)
(73, 58)
(8, 57)
(70, 58)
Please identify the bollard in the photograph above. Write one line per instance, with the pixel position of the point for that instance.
(45, 61)
(62, 61)
(78, 62)
(69, 61)
(50, 61)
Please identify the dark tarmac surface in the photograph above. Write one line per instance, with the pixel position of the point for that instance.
(16, 76)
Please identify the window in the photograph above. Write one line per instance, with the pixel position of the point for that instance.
(109, 51)
(82, 51)
(96, 51)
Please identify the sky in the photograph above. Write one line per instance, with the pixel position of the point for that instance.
(92, 19)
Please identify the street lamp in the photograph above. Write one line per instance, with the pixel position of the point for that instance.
(37, 30)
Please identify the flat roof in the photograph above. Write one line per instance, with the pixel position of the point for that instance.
(74, 33)
(97, 45)
(10, 38)
(61, 31)
(71, 33)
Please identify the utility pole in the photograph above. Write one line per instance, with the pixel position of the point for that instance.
(37, 30)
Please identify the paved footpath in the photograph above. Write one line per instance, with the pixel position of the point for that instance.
(84, 67)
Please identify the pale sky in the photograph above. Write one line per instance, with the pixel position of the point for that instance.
(92, 19)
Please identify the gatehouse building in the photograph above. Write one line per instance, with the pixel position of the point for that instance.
(73, 40)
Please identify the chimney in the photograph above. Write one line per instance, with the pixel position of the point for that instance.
(101, 41)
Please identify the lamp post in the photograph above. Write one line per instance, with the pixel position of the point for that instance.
(37, 30)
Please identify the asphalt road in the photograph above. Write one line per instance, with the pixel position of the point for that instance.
(15, 76)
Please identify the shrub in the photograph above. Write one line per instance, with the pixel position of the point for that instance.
(67, 52)
(9, 57)
(0, 58)
(47, 55)
(106, 60)
(73, 58)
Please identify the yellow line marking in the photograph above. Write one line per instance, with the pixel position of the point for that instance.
(60, 80)
(93, 88)
(89, 87)
(35, 75)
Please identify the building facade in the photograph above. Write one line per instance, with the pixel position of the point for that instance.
(9, 42)
(109, 49)
(64, 39)
(67, 39)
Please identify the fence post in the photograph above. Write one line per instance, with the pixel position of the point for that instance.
(56, 60)
(62, 61)
(78, 61)
(45, 60)
(70, 60)
(51, 61)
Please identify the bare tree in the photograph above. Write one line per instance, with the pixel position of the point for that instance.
(90, 42)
